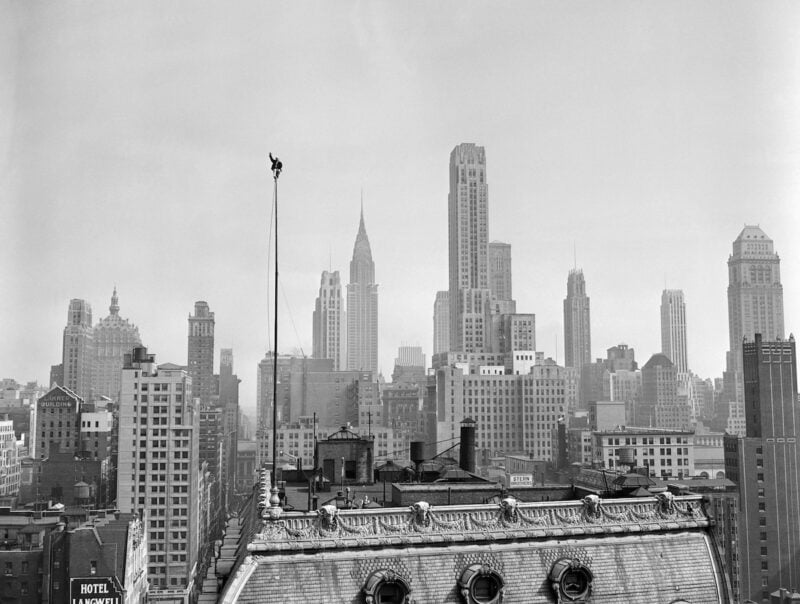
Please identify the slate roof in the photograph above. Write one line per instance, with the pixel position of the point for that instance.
(650, 549)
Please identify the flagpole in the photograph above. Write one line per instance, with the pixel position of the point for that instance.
(275, 510)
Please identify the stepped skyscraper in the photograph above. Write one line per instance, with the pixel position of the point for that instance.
(577, 325)
(673, 330)
(329, 321)
(468, 224)
(78, 349)
(362, 306)
(755, 295)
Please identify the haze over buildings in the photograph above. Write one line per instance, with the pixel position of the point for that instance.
(131, 151)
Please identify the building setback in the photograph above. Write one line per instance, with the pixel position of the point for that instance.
(362, 306)
(468, 224)
(765, 464)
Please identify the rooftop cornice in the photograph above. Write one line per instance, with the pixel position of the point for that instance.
(422, 524)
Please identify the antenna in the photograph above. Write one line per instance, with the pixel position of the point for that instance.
(574, 256)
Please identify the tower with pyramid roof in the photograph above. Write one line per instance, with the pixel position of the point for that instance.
(755, 305)
(362, 306)
(114, 337)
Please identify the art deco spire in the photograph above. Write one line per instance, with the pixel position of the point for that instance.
(362, 305)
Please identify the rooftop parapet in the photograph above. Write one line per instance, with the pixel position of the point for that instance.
(330, 528)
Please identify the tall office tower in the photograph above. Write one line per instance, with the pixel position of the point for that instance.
(441, 322)
(673, 330)
(159, 469)
(329, 321)
(78, 350)
(362, 306)
(468, 225)
(229, 403)
(114, 337)
(659, 388)
(755, 299)
(765, 464)
(577, 325)
(201, 352)
(500, 270)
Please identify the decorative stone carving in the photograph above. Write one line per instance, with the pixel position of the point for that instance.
(511, 519)
(508, 508)
(666, 503)
(591, 507)
(422, 514)
(328, 518)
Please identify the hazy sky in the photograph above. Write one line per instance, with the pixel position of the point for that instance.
(135, 134)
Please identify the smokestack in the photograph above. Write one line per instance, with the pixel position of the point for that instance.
(467, 456)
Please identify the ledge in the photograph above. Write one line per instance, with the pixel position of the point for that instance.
(423, 524)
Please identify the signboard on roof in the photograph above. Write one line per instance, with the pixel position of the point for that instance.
(520, 480)
(95, 590)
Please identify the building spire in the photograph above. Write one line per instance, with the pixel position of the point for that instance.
(114, 308)
(361, 227)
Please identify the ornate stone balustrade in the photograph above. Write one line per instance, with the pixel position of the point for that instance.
(421, 523)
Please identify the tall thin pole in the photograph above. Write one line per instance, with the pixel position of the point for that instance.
(275, 510)
(275, 351)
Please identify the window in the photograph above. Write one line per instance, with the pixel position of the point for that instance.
(386, 587)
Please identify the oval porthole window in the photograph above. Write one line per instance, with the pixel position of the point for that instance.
(571, 580)
(481, 584)
(386, 587)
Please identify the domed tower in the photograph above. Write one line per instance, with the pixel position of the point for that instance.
(114, 337)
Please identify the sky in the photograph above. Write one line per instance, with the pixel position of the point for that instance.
(633, 140)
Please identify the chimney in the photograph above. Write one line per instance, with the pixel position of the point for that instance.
(467, 455)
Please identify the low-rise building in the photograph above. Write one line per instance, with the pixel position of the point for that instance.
(665, 453)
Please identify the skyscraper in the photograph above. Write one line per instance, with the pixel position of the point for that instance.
(201, 352)
(441, 322)
(500, 270)
(114, 337)
(229, 403)
(468, 225)
(78, 349)
(673, 330)
(765, 464)
(329, 321)
(755, 299)
(362, 306)
(659, 390)
(160, 451)
(577, 326)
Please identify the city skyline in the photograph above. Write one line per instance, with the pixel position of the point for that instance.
(129, 178)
